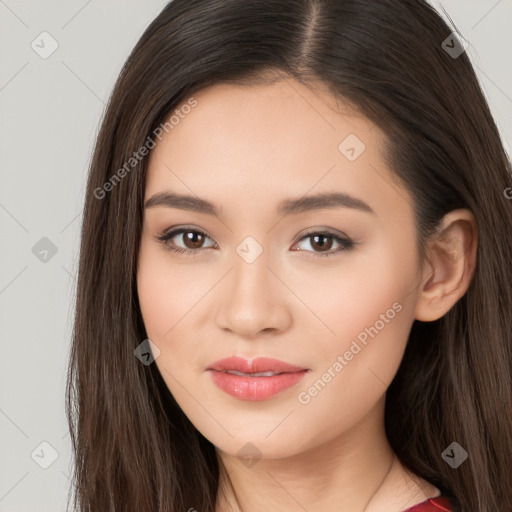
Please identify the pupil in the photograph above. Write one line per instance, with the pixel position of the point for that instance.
(190, 236)
(322, 246)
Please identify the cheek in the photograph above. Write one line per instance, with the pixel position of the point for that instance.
(352, 295)
(157, 301)
(364, 311)
(166, 293)
(172, 300)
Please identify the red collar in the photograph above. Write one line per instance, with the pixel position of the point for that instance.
(439, 504)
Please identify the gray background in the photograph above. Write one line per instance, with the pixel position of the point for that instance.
(50, 113)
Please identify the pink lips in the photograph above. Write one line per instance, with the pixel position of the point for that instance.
(247, 387)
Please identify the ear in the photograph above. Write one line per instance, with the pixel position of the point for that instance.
(447, 272)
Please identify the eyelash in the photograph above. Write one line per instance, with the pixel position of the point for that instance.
(346, 244)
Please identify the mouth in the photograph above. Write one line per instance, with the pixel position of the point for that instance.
(256, 366)
(258, 374)
(257, 379)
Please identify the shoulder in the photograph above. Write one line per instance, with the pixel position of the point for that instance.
(439, 504)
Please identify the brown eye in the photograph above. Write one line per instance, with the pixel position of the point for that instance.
(193, 239)
(322, 243)
(318, 242)
(185, 240)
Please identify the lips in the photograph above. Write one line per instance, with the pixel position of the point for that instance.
(254, 366)
(257, 379)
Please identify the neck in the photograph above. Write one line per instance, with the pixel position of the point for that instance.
(356, 471)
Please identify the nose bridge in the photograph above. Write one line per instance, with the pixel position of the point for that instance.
(250, 273)
(251, 285)
(252, 300)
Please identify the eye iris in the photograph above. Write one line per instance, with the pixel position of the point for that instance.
(197, 239)
(322, 246)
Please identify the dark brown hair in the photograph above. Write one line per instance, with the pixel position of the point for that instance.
(134, 448)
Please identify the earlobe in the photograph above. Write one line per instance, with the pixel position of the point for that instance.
(450, 266)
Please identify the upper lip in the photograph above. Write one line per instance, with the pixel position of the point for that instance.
(260, 364)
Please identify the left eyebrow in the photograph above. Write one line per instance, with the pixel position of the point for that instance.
(286, 207)
(322, 201)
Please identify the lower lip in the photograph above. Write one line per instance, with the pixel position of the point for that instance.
(255, 388)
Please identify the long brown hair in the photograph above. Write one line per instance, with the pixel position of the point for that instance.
(134, 448)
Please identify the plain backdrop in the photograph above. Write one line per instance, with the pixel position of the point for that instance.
(50, 110)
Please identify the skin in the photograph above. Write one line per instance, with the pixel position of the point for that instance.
(246, 148)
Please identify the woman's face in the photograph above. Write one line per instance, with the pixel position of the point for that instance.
(327, 285)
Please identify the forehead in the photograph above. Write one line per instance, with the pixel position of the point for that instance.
(283, 115)
(266, 142)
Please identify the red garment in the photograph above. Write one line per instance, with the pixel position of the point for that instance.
(439, 504)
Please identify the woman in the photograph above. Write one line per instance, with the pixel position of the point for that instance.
(294, 283)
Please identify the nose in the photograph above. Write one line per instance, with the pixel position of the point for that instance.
(254, 302)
